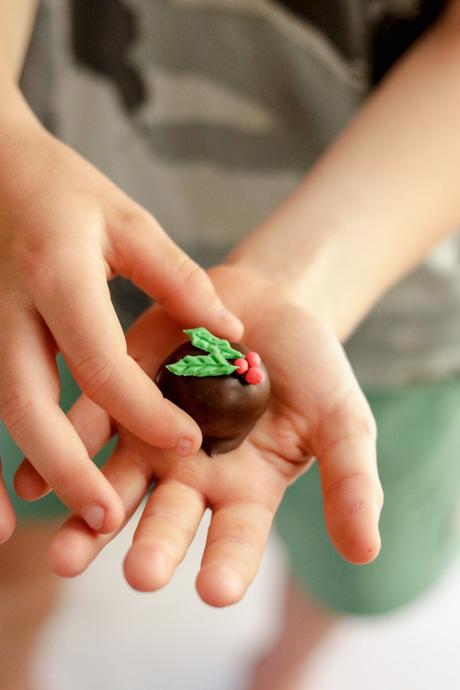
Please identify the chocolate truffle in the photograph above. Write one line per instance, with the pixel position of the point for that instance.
(225, 390)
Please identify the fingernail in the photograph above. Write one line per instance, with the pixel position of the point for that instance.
(227, 316)
(183, 446)
(93, 516)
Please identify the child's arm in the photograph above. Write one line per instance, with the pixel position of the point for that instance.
(16, 23)
(382, 195)
(369, 211)
(16, 19)
(65, 229)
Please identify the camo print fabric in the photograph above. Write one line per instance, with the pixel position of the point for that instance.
(208, 112)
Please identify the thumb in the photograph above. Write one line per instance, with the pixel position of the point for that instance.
(143, 252)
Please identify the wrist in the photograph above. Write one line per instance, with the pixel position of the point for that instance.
(15, 112)
(16, 22)
(264, 290)
(307, 276)
(25, 165)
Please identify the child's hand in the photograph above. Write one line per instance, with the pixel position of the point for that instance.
(317, 409)
(65, 230)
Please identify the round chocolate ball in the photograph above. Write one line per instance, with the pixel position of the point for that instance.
(224, 407)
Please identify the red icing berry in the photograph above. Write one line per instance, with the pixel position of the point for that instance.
(254, 375)
(253, 359)
(242, 365)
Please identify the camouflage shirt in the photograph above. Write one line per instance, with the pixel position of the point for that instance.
(208, 112)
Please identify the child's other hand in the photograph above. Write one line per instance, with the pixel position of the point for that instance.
(317, 409)
(65, 230)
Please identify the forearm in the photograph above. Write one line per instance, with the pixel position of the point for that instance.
(383, 194)
(16, 21)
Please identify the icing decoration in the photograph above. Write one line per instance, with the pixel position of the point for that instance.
(216, 363)
(206, 365)
(204, 340)
(254, 375)
(213, 364)
(253, 359)
(242, 365)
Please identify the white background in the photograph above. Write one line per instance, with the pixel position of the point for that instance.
(108, 637)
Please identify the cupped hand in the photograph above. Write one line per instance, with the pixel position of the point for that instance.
(65, 230)
(316, 410)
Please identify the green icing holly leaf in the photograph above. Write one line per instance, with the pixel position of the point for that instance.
(213, 364)
(204, 340)
(201, 365)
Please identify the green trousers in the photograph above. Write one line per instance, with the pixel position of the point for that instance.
(419, 465)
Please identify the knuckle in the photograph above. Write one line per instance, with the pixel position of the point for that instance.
(15, 407)
(350, 417)
(234, 539)
(189, 274)
(236, 548)
(177, 525)
(119, 252)
(341, 492)
(33, 253)
(133, 216)
(366, 425)
(140, 216)
(189, 279)
(95, 375)
(340, 485)
(62, 478)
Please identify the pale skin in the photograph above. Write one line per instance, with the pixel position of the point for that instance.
(326, 417)
(305, 282)
(65, 229)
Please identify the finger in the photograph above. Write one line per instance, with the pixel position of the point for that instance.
(75, 546)
(167, 526)
(7, 516)
(91, 422)
(236, 540)
(75, 303)
(94, 427)
(151, 354)
(352, 492)
(340, 432)
(145, 254)
(29, 393)
(28, 483)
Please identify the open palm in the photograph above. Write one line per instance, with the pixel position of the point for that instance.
(316, 411)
